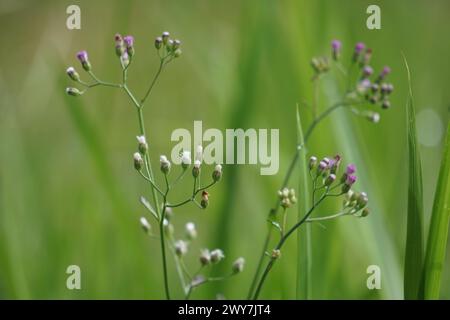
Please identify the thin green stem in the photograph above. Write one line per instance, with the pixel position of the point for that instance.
(152, 84)
(280, 245)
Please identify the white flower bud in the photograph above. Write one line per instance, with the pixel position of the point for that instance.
(199, 153)
(217, 173)
(138, 161)
(217, 255)
(142, 144)
(181, 248)
(191, 231)
(186, 159)
(73, 74)
(238, 265)
(165, 164)
(196, 168)
(205, 257)
(145, 224)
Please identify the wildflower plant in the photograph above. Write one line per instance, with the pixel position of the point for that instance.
(363, 92)
(161, 208)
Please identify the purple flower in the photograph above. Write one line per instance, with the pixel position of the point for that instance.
(336, 45)
(367, 71)
(129, 41)
(351, 179)
(359, 47)
(82, 56)
(386, 70)
(351, 168)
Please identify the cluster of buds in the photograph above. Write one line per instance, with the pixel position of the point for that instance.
(82, 56)
(138, 159)
(356, 203)
(320, 65)
(287, 197)
(377, 91)
(172, 45)
(328, 168)
(124, 47)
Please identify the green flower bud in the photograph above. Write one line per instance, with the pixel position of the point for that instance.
(165, 164)
(73, 74)
(217, 173)
(205, 257)
(73, 92)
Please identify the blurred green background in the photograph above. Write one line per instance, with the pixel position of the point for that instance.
(69, 193)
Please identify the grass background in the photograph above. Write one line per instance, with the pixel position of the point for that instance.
(68, 191)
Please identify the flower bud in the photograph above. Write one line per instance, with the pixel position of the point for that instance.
(158, 43)
(238, 265)
(330, 179)
(286, 203)
(120, 48)
(351, 169)
(138, 161)
(73, 74)
(217, 255)
(169, 45)
(129, 43)
(83, 57)
(191, 231)
(168, 227)
(165, 37)
(205, 199)
(334, 163)
(176, 44)
(177, 53)
(312, 162)
(362, 200)
(384, 72)
(181, 248)
(367, 71)
(276, 254)
(196, 169)
(165, 164)
(321, 167)
(366, 58)
(125, 58)
(217, 173)
(365, 212)
(205, 257)
(359, 47)
(351, 179)
(73, 92)
(142, 144)
(145, 225)
(185, 159)
(385, 104)
(373, 117)
(336, 49)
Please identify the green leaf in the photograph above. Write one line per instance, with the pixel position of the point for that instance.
(414, 234)
(304, 256)
(437, 236)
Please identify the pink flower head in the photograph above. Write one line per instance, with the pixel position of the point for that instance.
(359, 47)
(351, 179)
(82, 56)
(351, 168)
(129, 41)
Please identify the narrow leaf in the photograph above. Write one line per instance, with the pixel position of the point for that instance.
(414, 234)
(304, 251)
(437, 237)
